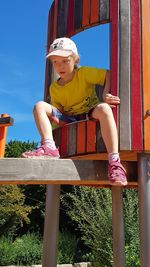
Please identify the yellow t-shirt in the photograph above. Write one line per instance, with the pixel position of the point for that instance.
(78, 95)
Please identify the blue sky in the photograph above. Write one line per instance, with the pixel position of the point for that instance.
(23, 32)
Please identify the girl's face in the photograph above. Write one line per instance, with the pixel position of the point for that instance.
(64, 66)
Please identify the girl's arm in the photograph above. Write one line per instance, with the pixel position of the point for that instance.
(107, 97)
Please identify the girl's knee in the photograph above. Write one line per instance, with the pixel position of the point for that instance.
(102, 109)
(41, 106)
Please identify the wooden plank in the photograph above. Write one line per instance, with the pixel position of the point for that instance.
(70, 21)
(61, 171)
(62, 18)
(104, 10)
(49, 31)
(48, 80)
(145, 5)
(91, 136)
(136, 107)
(86, 14)
(100, 146)
(3, 135)
(57, 136)
(81, 137)
(94, 14)
(48, 67)
(124, 156)
(125, 69)
(114, 45)
(72, 139)
(55, 19)
(64, 141)
(78, 16)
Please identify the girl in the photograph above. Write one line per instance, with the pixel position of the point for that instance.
(73, 97)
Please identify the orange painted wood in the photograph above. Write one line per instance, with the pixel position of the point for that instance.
(91, 136)
(145, 5)
(81, 133)
(114, 17)
(3, 135)
(94, 14)
(55, 19)
(86, 13)
(136, 104)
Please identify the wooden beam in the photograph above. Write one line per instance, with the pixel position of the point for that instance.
(6, 121)
(62, 171)
(124, 72)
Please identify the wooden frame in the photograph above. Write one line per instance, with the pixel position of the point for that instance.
(126, 44)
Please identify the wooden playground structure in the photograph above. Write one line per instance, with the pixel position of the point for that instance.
(84, 160)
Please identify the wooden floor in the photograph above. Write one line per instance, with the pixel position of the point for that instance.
(60, 171)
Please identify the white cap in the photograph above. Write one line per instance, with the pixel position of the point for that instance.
(63, 47)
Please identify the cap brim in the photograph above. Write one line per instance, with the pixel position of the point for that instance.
(61, 53)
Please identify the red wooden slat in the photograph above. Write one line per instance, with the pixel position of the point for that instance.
(81, 138)
(48, 67)
(136, 77)
(114, 17)
(64, 141)
(86, 13)
(94, 15)
(55, 19)
(70, 21)
(50, 26)
(91, 136)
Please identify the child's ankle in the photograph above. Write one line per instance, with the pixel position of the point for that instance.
(113, 157)
(49, 143)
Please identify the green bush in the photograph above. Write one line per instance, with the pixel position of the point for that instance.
(25, 250)
(67, 248)
(28, 250)
(6, 251)
(90, 209)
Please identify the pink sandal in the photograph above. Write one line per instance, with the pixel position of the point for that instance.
(117, 174)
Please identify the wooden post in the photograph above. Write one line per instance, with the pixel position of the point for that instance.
(51, 226)
(3, 134)
(118, 227)
(144, 207)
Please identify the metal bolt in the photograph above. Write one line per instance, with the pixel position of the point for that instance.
(148, 112)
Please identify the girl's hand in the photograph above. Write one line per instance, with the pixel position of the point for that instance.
(112, 100)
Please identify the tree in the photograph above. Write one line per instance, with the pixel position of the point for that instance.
(13, 212)
(14, 149)
(34, 195)
(90, 208)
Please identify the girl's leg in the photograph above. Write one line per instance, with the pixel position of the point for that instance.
(116, 172)
(105, 116)
(42, 112)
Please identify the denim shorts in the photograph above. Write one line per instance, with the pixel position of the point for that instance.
(71, 118)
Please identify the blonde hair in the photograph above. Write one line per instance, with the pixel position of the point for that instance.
(76, 60)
